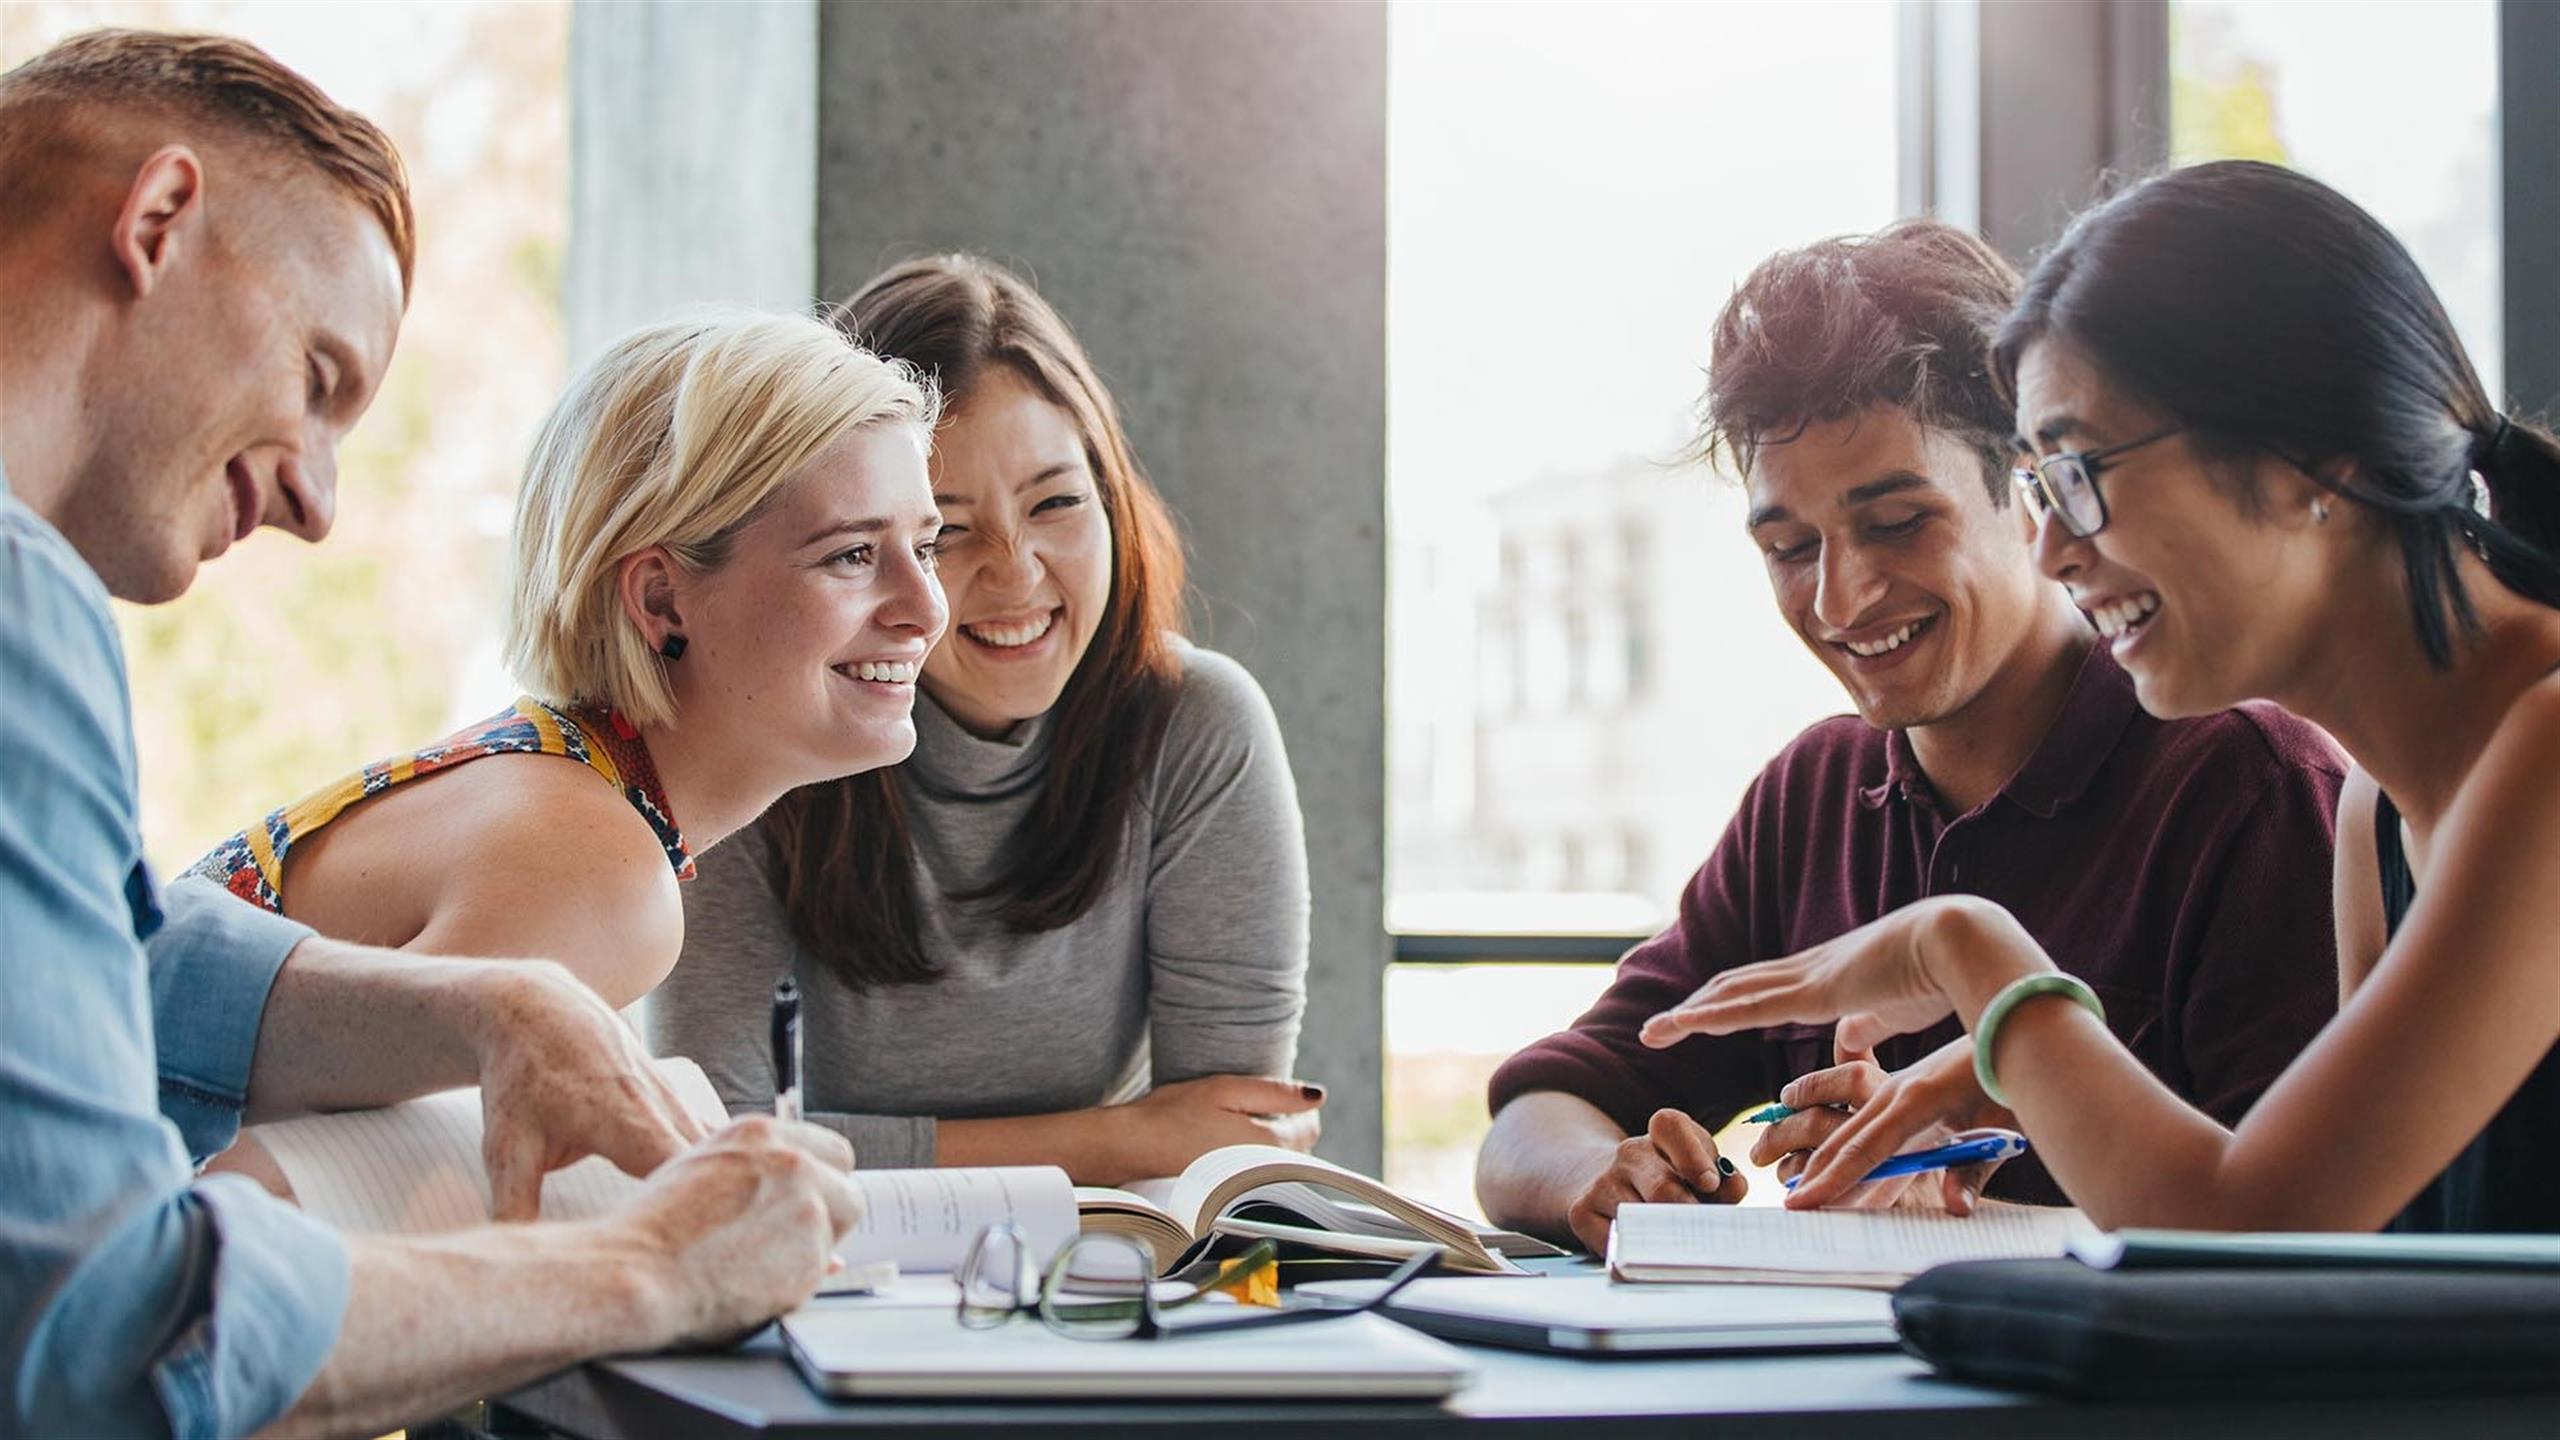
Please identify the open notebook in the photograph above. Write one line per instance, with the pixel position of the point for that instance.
(1874, 1248)
(415, 1168)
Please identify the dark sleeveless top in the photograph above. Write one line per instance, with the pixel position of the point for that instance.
(2507, 1180)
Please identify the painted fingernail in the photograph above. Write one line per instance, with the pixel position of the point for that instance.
(1725, 1165)
(1311, 1091)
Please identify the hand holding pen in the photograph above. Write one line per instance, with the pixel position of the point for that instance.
(1839, 1128)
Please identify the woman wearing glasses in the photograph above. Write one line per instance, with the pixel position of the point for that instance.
(2268, 470)
(1073, 929)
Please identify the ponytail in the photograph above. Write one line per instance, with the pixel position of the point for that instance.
(2521, 464)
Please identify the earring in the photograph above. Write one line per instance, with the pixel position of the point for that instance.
(672, 647)
(2320, 510)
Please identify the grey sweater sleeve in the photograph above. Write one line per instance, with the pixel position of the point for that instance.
(715, 1005)
(1227, 899)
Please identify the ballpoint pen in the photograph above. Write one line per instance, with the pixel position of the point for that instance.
(1966, 1147)
(786, 1050)
(1772, 1113)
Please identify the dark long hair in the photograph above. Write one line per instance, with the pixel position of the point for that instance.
(2268, 314)
(844, 858)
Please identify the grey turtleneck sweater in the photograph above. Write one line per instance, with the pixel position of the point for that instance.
(1193, 962)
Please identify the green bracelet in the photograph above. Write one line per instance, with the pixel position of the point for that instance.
(1986, 1030)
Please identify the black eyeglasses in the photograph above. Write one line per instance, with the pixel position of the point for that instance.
(2067, 484)
(1101, 1287)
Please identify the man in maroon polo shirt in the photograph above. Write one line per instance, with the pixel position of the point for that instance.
(2180, 867)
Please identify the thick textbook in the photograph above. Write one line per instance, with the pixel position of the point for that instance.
(1265, 1192)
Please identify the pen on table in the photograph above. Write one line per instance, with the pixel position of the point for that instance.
(786, 1050)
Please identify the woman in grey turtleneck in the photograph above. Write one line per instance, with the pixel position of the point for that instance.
(1072, 929)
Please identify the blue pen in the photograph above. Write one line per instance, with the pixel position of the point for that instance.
(1969, 1147)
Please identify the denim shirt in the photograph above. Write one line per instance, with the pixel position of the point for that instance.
(135, 1298)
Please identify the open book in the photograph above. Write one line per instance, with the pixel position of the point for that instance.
(1265, 1192)
(415, 1168)
(1874, 1248)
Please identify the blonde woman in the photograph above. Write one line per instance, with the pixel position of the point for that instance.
(723, 588)
(1072, 930)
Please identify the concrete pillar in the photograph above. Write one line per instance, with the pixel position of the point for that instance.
(1201, 191)
(2529, 210)
(693, 157)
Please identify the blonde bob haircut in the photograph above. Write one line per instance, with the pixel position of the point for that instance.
(678, 436)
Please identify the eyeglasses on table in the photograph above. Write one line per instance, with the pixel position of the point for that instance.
(1103, 1287)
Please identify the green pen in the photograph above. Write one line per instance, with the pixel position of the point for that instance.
(1768, 1115)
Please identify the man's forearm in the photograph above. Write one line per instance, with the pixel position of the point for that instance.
(348, 1026)
(433, 1323)
(1544, 1150)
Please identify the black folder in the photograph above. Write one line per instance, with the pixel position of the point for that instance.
(2062, 1327)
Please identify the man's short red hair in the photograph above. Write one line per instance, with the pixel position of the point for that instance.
(212, 81)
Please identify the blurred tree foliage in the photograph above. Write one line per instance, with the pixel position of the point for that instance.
(2222, 100)
(287, 665)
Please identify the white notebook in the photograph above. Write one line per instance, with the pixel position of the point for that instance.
(860, 1349)
(415, 1168)
(1878, 1248)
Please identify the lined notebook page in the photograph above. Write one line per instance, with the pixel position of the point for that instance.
(1653, 1242)
(414, 1168)
(925, 1219)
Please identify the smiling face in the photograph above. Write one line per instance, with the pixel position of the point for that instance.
(2207, 600)
(1886, 554)
(809, 636)
(1026, 554)
(223, 394)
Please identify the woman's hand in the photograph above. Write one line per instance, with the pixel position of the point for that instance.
(1172, 1125)
(1892, 976)
(1829, 1150)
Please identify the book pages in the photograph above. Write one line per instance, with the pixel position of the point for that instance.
(1840, 1247)
(415, 1168)
(925, 1220)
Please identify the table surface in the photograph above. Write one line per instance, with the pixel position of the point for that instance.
(754, 1391)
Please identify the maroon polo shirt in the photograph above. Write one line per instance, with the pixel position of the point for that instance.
(2181, 867)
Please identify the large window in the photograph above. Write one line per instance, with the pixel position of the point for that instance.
(1584, 668)
(285, 666)
(2394, 102)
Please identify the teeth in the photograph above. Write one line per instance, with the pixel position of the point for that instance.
(894, 672)
(1011, 635)
(1886, 646)
(2114, 617)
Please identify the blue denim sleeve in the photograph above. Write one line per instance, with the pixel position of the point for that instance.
(213, 959)
(134, 1300)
